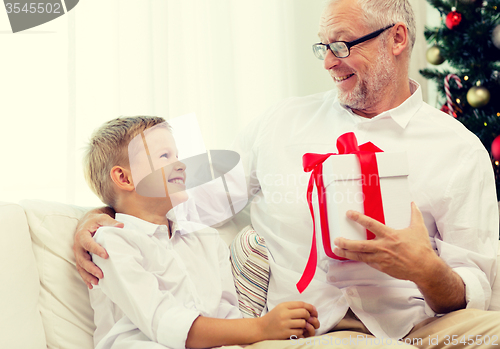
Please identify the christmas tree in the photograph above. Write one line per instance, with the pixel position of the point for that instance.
(468, 39)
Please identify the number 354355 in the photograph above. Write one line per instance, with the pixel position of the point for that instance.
(33, 7)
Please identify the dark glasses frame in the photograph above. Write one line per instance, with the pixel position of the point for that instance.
(320, 49)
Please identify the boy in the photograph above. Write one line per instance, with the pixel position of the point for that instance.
(165, 287)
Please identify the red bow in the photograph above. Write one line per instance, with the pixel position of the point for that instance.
(346, 144)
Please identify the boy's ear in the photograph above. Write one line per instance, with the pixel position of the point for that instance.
(122, 178)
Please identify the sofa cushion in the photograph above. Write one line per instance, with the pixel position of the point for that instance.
(20, 321)
(250, 266)
(64, 300)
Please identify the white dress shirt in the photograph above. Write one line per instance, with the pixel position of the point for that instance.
(154, 286)
(451, 181)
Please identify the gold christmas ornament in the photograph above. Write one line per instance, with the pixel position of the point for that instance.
(495, 36)
(478, 96)
(434, 55)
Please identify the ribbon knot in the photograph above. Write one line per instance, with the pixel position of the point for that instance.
(310, 161)
(346, 144)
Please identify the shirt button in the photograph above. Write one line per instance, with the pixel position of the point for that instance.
(332, 278)
(350, 293)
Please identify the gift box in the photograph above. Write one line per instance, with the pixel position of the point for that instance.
(361, 178)
(343, 182)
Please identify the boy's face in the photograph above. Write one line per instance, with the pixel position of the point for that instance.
(156, 170)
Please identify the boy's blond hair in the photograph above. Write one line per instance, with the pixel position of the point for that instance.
(108, 148)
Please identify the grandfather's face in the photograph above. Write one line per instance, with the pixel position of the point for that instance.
(363, 78)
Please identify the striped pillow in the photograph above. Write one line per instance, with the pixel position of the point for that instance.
(250, 268)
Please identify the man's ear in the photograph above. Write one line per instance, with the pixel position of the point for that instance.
(122, 178)
(401, 39)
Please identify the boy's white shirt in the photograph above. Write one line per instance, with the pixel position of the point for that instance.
(154, 286)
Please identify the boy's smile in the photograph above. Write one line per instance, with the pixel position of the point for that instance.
(179, 181)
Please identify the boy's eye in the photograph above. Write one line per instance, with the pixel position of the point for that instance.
(165, 155)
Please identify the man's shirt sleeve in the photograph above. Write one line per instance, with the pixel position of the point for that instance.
(468, 226)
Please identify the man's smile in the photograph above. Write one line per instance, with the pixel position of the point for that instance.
(341, 78)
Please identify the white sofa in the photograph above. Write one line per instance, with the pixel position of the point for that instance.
(43, 302)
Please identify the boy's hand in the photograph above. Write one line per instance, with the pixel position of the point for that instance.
(290, 320)
(84, 243)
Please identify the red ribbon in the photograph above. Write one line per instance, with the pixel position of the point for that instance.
(346, 144)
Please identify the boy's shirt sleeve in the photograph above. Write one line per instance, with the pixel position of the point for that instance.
(157, 313)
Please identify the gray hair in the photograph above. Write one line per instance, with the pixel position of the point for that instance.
(379, 14)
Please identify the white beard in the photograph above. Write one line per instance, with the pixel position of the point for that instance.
(370, 91)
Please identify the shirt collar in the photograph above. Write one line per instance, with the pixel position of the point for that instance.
(402, 113)
(132, 222)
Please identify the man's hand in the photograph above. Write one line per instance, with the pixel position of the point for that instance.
(290, 320)
(84, 243)
(404, 254)
(407, 254)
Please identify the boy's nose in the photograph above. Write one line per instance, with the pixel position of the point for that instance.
(179, 166)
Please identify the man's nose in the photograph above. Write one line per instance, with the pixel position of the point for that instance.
(330, 61)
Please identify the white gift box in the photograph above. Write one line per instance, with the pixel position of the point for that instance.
(343, 187)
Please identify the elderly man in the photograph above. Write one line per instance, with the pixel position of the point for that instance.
(400, 284)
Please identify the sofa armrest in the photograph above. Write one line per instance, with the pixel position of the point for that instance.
(20, 322)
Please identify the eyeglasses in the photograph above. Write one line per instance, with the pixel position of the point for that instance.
(342, 49)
